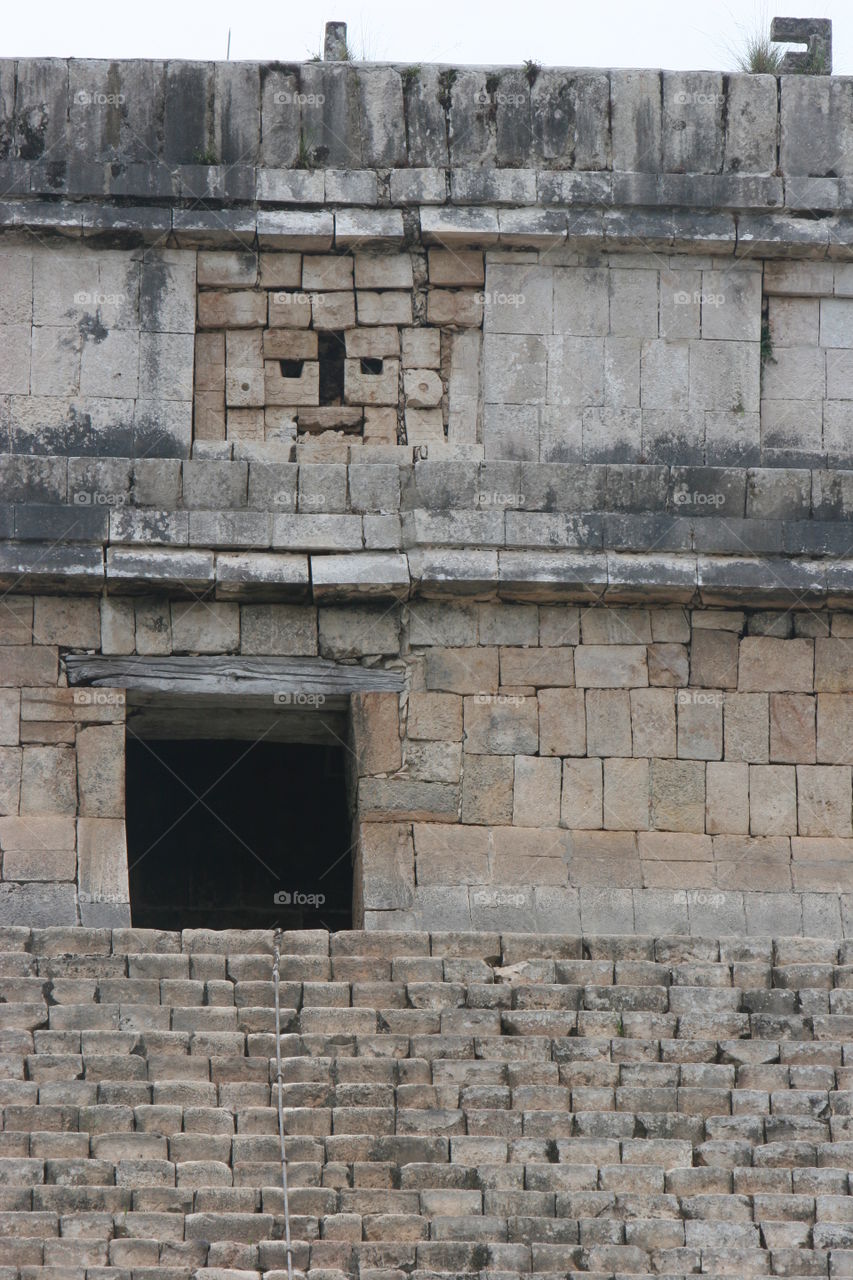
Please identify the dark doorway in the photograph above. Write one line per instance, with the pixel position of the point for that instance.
(235, 835)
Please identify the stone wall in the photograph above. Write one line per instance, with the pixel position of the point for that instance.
(546, 765)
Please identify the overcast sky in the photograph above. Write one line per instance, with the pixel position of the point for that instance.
(620, 33)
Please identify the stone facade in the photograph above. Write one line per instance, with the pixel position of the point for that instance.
(550, 420)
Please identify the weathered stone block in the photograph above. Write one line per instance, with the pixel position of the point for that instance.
(451, 855)
(385, 861)
(824, 800)
(727, 798)
(608, 722)
(772, 800)
(626, 795)
(49, 780)
(746, 723)
(487, 789)
(100, 770)
(536, 795)
(653, 722)
(376, 732)
(582, 794)
(434, 717)
(678, 795)
(205, 627)
(792, 728)
(700, 724)
(778, 666)
(610, 666)
(562, 722)
(501, 724)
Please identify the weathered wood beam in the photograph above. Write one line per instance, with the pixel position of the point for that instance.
(292, 677)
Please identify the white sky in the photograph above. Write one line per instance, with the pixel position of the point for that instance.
(679, 34)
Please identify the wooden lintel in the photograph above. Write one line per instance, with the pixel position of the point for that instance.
(225, 676)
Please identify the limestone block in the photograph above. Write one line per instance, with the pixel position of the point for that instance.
(514, 370)
(434, 717)
(731, 305)
(500, 724)
(458, 307)
(68, 622)
(536, 794)
(724, 375)
(278, 629)
(363, 387)
(456, 267)
(385, 868)
(772, 799)
(102, 865)
(383, 271)
(610, 666)
(166, 366)
(714, 659)
(622, 372)
(727, 798)
(239, 309)
(824, 800)
(423, 388)
(653, 722)
(281, 270)
(55, 367)
(581, 301)
(559, 625)
(487, 789)
(100, 770)
(834, 728)
(678, 795)
(608, 722)
(433, 761)
(833, 667)
(15, 342)
(448, 854)
(700, 724)
(582, 794)
(383, 308)
(301, 389)
(17, 625)
(508, 624)
(420, 348)
(528, 857)
(28, 665)
(604, 858)
(575, 372)
(201, 626)
(327, 271)
(667, 664)
(799, 373)
(10, 713)
(48, 780)
(626, 795)
(779, 666)
(424, 425)
(16, 270)
(333, 310)
(746, 719)
(232, 269)
(633, 302)
(10, 781)
(353, 632)
(40, 864)
(376, 732)
(792, 728)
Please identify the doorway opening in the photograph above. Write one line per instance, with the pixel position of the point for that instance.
(235, 834)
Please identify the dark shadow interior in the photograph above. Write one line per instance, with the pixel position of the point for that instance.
(217, 831)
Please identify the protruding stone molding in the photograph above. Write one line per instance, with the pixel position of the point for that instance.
(497, 573)
(646, 227)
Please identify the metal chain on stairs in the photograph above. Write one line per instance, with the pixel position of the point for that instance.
(276, 979)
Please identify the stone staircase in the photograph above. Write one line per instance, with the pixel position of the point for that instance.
(454, 1103)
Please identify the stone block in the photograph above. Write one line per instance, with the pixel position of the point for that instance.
(792, 728)
(626, 795)
(463, 670)
(562, 722)
(834, 728)
(456, 267)
(100, 770)
(10, 779)
(528, 857)
(385, 867)
(824, 800)
(610, 666)
(582, 795)
(434, 717)
(653, 722)
(501, 724)
(727, 798)
(239, 309)
(10, 714)
(487, 789)
(537, 666)
(667, 664)
(608, 722)
(778, 666)
(48, 780)
(700, 724)
(714, 659)
(231, 269)
(772, 799)
(356, 631)
(389, 307)
(201, 626)
(376, 732)
(117, 627)
(451, 855)
(38, 905)
(601, 858)
(678, 795)
(536, 795)
(746, 727)
(833, 668)
(68, 622)
(102, 869)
